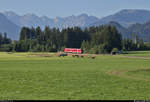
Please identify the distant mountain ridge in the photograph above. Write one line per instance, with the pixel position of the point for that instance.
(126, 17)
(30, 20)
(126, 21)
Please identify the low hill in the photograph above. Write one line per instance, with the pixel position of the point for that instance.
(10, 28)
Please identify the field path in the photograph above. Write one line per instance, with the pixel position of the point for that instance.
(140, 57)
(124, 75)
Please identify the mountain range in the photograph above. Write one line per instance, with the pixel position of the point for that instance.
(127, 21)
(126, 17)
(31, 20)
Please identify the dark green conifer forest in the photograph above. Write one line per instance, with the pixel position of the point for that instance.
(96, 40)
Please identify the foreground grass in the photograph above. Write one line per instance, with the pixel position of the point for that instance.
(23, 76)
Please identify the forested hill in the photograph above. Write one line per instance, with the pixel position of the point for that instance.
(141, 30)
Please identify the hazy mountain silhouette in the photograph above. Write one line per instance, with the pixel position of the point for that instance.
(127, 21)
(126, 17)
(10, 28)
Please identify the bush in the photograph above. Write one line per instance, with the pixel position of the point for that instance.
(62, 48)
(6, 48)
(102, 50)
(98, 50)
(94, 50)
(115, 50)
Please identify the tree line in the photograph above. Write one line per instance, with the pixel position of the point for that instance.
(102, 39)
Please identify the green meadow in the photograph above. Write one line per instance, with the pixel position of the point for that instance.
(31, 76)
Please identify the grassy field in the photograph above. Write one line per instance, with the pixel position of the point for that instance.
(31, 76)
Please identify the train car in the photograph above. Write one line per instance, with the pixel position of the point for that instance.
(73, 50)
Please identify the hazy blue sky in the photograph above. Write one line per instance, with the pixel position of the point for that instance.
(62, 8)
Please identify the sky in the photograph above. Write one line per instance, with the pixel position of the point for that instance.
(63, 8)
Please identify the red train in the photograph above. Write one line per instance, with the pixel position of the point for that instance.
(73, 50)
